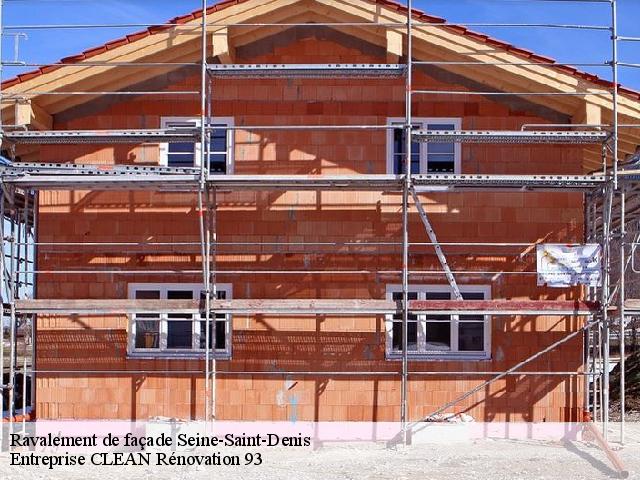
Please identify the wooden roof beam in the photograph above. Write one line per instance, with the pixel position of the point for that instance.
(395, 42)
(221, 46)
(27, 113)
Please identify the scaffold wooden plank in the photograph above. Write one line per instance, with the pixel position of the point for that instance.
(338, 307)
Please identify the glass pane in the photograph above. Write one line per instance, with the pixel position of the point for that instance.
(412, 335)
(180, 331)
(221, 321)
(203, 334)
(472, 296)
(179, 334)
(440, 165)
(182, 147)
(397, 297)
(438, 335)
(180, 295)
(181, 154)
(438, 296)
(221, 333)
(218, 165)
(441, 126)
(441, 148)
(179, 160)
(218, 141)
(218, 150)
(147, 295)
(471, 336)
(438, 327)
(399, 149)
(396, 336)
(441, 156)
(412, 325)
(147, 334)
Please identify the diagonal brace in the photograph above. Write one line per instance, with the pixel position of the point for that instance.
(432, 236)
(513, 369)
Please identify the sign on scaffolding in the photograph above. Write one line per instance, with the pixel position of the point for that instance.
(561, 265)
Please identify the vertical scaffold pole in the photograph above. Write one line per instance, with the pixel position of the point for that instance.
(405, 228)
(12, 309)
(614, 74)
(621, 306)
(213, 291)
(595, 335)
(2, 265)
(605, 300)
(204, 224)
(34, 291)
(205, 279)
(25, 286)
(587, 332)
(4, 296)
(203, 93)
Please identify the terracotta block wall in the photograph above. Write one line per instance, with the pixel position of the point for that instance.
(276, 343)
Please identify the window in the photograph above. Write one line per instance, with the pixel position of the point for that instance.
(432, 336)
(177, 333)
(425, 157)
(187, 154)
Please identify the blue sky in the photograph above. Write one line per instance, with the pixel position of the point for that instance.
(565, 45)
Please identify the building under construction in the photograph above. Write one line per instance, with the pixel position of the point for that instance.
(318, 210)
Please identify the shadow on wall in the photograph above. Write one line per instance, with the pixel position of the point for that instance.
(176, 393)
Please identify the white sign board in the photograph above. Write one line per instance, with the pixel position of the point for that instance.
(562, 265)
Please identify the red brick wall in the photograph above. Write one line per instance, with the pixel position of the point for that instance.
(283, 343)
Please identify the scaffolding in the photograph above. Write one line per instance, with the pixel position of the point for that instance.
(612, 204)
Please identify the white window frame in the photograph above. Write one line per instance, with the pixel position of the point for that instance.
(422, 123)
(228, 121)
(453, 354)
(163, 351)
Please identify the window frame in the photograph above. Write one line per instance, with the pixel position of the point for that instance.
(421, 353)
(422, 123)
(162, 351)
(227, 121)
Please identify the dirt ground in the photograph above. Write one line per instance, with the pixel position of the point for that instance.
(482, 459)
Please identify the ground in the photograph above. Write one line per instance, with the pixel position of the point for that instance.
(484, 459)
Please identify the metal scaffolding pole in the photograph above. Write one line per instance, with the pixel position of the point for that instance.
(4, 296)
(614, 72)
(203, 228)
(203, 92)
(12, 307)
(621, 306)
(588, 334)
(405, 228)
(2, 256)
(34, 318)
(213, 291)
(605, 302)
